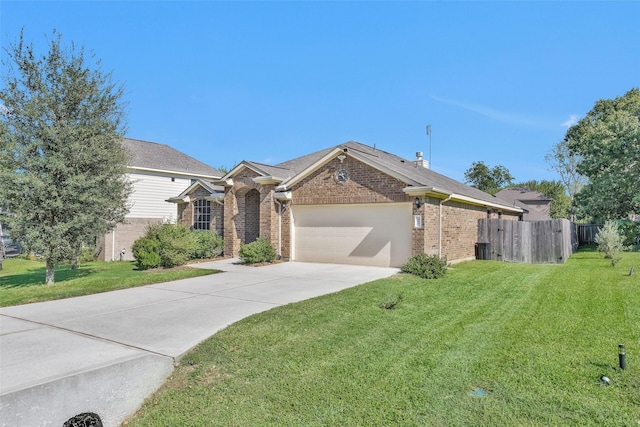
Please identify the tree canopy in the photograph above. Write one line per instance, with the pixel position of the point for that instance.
(565, 162)
(62, 161)
(607, 140)
(488, 179)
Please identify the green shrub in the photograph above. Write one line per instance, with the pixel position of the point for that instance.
(209, 244)
(630, 231)
(390, 302)
(89, 253)
(146, 252)
(610, 242)
(426, 266)
(258, 251)
(176, 243)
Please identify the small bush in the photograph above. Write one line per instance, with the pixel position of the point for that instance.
(390, 302)
(610, 242)
(426, 266)
(209, 244)
(89, 253)
(258, 251)
(146, 253)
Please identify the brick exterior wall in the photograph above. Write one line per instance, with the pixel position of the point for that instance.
(238, 226)
(185, 211)
(125, 235)
(250, 209)
(459, 228)
(365, 185)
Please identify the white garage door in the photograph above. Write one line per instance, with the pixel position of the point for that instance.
(369, 234)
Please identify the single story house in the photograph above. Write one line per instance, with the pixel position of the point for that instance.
(157, 172)
(351, 204)
(536, 206)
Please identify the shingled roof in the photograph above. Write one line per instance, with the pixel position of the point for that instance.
(413, 175)
(160, 157)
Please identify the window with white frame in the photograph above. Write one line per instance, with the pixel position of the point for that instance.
(201, 214)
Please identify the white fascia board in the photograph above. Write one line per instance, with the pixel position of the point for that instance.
(426, 191)
(341, 151)
(243, 164)
(282, 195)
(437, 192)
(174, 173)
(488, 204)
(267, 180)
(178, 200)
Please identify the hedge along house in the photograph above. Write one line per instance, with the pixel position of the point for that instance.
(349, 204)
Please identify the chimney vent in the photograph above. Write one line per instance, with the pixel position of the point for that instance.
(420, 162)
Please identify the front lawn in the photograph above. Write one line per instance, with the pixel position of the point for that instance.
(22, 281)
(489, 344)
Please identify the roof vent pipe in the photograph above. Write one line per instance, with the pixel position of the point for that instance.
(420, 162)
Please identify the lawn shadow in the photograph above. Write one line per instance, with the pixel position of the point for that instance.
(36, 276)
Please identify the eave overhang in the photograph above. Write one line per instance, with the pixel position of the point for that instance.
(133, 169)
(179, 200)
(267, 180)
(441, 194)
(282, 196)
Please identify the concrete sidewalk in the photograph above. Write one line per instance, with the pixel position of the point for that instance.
(106, 353)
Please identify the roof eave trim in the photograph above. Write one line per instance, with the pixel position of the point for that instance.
(426, 191)
(267, 180)
(179, 200)
(440, 193)
(352, 153)
(243, 164)
(168, 172)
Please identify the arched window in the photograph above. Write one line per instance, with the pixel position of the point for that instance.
(201, 214)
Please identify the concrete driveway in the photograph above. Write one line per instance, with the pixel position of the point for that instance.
(106, 353)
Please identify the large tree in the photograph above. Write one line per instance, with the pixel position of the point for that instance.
(608, 141)
(565, 162)
(63, 165)
(488, 179)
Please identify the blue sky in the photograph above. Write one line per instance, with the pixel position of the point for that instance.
(269, 81)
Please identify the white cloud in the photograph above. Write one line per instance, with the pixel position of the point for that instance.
(492, 113)
(573, 119)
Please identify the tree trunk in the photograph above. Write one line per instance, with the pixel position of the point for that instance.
(49, 279)
(76, 258)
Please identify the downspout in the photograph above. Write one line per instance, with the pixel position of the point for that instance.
(279, 227)
(440, 225)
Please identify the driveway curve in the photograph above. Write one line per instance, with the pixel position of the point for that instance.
(105, 353)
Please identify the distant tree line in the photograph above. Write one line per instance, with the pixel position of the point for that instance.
(598, 163)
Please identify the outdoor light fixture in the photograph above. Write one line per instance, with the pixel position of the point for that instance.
(418, 202)
(622, 356)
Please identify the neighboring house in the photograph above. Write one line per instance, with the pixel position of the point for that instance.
(157, 172)
(351, 204)
(537, 206)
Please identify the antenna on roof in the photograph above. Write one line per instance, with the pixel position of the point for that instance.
(429, 133)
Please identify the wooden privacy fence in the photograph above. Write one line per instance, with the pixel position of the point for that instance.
(534, 242)
(587, 233)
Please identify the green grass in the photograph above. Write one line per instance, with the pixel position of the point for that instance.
(537, 338)
(22, 281)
